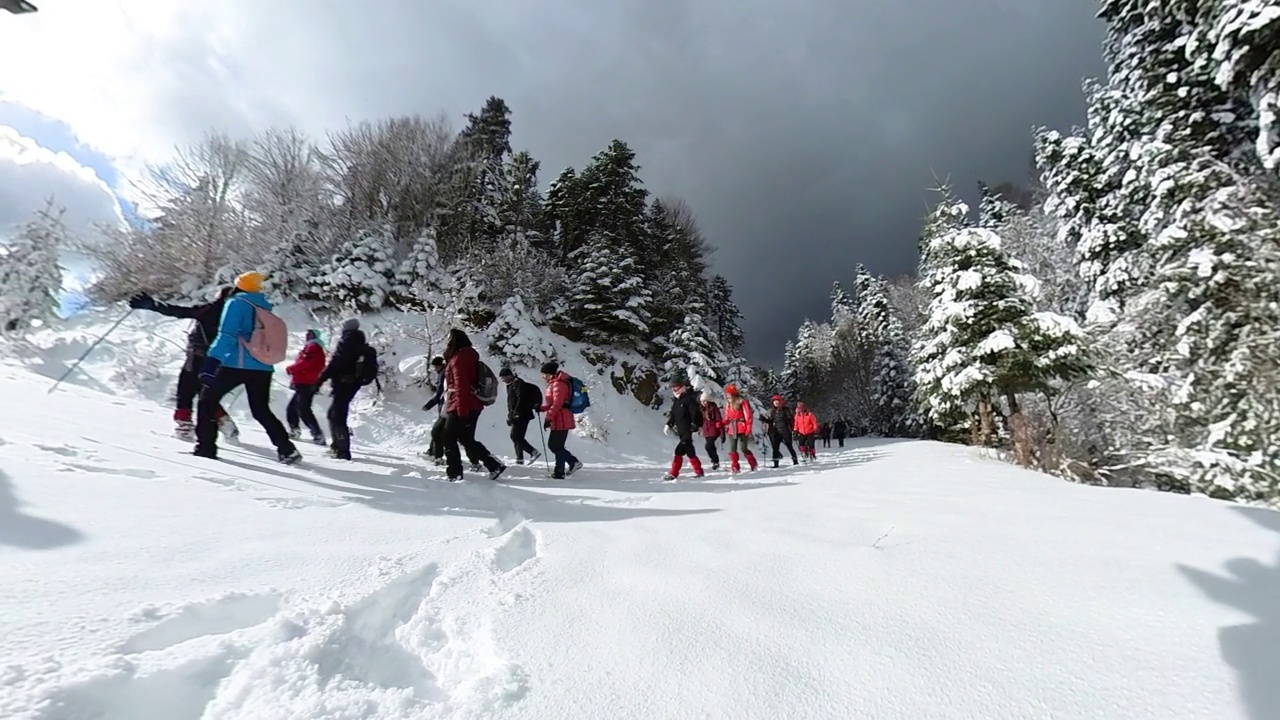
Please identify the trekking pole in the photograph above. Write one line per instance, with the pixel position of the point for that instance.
(542, 433)
(92, 347)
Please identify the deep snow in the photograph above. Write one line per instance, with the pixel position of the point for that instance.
(897, 580)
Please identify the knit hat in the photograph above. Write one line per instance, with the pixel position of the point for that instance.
(351, 324)
(437, 361)
(313, 335)
(506, 373)
(777, 398)
(679, 378)
(550, 368)
(731, 390)
(250, 281)
(705, 396)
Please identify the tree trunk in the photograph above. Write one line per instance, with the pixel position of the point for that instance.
(1023, 443)
(986, 430)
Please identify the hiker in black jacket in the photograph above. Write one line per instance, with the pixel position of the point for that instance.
(841, 431)
(523, 400)
(779, 423)
(353, 364)
(207, 317)
(685, 419)
(436, 449)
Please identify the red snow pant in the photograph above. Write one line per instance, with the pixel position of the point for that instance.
(686, 447)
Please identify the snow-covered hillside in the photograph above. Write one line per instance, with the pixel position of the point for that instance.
(894, 580)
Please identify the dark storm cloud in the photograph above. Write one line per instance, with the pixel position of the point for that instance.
(803, 134)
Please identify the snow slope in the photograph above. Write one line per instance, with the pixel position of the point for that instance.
(895, 580)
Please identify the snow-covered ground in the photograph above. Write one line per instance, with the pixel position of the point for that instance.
(894, 580)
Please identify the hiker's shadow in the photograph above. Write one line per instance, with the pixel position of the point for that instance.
(1253, 649)
(403, 493)
(18, 529)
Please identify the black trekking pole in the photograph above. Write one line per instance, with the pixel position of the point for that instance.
(92, 347)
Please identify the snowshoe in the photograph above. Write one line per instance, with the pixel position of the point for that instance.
(668, 477)
(318, 439)
(475, 467)
(533, 456)
(292, 458)
(295, 434)
(185, 430)
(573, 468)
(207, 454)
(497, 473)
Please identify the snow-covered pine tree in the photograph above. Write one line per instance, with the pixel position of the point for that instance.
(421, 282)
(984, 342)
(295, 262)
(29, 271)
(607, 299)
(516, 339)
(892, 393)
(690, 348)
(361, 274)
(725, 317)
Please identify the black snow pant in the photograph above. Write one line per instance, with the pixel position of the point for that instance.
(555, 445)
(436, 448)
(519, 427)
(840, 439)
(257, 390)
(826, 441)
(460, 430)
(807, 446)
(299, 410)
(339, 408)
(777, 440)
(186, 393)
(711, 450)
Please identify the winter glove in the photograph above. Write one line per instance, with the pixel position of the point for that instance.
(510, 422)
(209, 371)
(666, 429)
(142, 301)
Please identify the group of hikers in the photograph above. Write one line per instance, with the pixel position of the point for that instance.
(734, 426)
(235, 341)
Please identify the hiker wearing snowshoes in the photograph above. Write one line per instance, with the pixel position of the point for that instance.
(523, 401)
(248, 336)
(353, 365)
(685, 419)
(841, 430)
(436, 449)
(207, 316)
(304, 380)
(806, 427)
(712, 424)
(558, 419)
(462, 408)
(738, 422)
(779, 422)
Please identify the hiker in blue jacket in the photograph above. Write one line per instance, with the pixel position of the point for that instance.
(230, 365)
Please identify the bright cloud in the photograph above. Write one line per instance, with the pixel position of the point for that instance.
(30, 174)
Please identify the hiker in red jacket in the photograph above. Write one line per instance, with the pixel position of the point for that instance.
(738, 422)
(712, 423)
(304, 380)
(806, 427)
(462, 408)
(559, 419)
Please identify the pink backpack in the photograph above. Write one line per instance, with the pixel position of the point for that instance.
(269, 343)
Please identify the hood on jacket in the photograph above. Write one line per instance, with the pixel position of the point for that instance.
(313, 335)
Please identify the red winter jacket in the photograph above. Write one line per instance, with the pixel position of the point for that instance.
(711, 420)
(738, 421)
(310, 363)
(557, 396)
(460, 379)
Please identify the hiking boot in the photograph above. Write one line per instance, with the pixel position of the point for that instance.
(289, 458)
(497, 472)
(573, 467)
(295, 433)
(207, 453)
(229, 429)
(475, 467)
(318, 439)
(185, 430)
(668, 477)
(533, 456)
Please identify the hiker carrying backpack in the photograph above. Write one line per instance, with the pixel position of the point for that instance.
(353, 365)
(250, 340)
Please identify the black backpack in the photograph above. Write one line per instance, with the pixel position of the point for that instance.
(532, 396)
(486, 384)
(366, 367)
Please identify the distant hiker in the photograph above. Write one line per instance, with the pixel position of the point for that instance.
(206, 317)
(354, 364)
(685, 419)
(738, 427)
(559, 419)
(806, 427)
(779, 422)
(248, 338)
(523, 401)
(436, 449)
(824, 432)
(462, 408)
(304, 380)
(841, 431)
(712, 424)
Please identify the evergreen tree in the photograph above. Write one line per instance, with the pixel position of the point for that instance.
(29, 271)
(516, 339)
(608, 300)
(360, 276)
(983, 340)
(690, 350)
(726, 318)
(421, 281)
